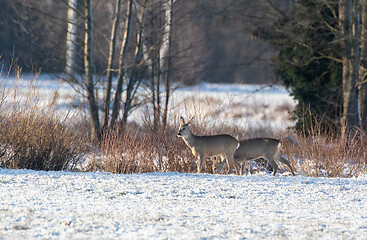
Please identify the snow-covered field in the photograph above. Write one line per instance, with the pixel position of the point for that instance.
(66, 205)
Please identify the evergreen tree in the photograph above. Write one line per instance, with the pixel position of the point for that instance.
(308, 50)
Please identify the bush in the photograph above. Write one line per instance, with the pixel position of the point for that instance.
(324, 153)
(138, 151)
(34, 136)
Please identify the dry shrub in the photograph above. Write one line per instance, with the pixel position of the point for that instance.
(329, 154)
(124, 152)
(36, 137)
(137, 151)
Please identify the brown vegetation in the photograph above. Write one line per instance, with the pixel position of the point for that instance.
(329, 154)
(37, 136)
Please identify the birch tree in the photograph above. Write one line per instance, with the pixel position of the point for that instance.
(122, 63)
(167, 54)
(111, 56)
(71, 39)
(135, 78)
(158, 55)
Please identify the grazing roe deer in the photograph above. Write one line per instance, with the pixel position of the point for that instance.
(254, 148)
(208, 146)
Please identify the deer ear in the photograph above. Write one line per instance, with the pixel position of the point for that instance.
(182, 120)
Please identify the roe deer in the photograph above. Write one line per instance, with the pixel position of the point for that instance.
(254, 148)
(208, 146)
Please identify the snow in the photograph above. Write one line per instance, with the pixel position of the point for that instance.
(68, 205)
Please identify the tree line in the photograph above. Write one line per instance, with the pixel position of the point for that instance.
(211, 39)
(144, 43)
(318, 49)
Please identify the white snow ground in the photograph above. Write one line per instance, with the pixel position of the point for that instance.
(66, 205)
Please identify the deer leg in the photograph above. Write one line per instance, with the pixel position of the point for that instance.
(214, 164)
(235, 164)
(286, 162)
(242, 166)
(274, 165)
(228, 166)
(199, 162)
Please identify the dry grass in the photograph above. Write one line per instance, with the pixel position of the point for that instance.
(139, 151)
(34, 136)
(328, 154)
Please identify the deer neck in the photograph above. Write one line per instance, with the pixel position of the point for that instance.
(190, 139)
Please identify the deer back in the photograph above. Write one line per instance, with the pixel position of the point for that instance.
(213, 145)
(257, 147)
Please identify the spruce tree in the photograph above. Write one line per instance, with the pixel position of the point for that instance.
(308, 50)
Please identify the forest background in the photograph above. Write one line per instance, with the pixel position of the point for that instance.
(316, 48)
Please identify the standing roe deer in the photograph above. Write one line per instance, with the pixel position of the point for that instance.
(249, 149)
(208, 146)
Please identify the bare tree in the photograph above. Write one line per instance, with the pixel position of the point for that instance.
(111, 55)
(88, 67)
(158, 55)
(122, 63)
(137, 72)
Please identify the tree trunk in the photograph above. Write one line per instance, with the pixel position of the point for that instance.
(350, 91)
(111, 56)
(122, 67)
(88, 66)
(160, 59)
(356, 41)
(134, 78)
(71, 41)
(168, 54)
(154, 55)
(363, 67)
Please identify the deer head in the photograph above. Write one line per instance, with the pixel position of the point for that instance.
(184, 129)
